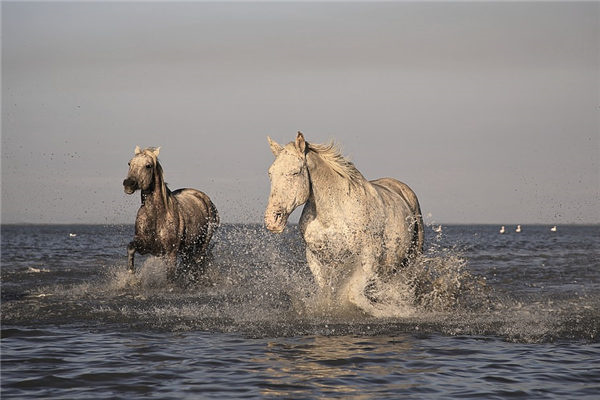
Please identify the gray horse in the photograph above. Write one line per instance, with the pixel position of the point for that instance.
(353, 228)
(175, 225)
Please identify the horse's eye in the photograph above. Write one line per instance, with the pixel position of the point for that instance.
(148, 166)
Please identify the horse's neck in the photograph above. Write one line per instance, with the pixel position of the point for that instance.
(330, 192)
(154, 199)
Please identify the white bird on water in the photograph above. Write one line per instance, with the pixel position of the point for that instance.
(502, 230)
(553, 229)
(518, 230)
(438, 229)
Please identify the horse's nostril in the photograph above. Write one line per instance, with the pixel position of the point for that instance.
(130, 185)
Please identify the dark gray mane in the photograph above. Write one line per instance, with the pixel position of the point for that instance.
(159, 180)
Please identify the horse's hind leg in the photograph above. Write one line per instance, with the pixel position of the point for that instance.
(197, 259)
(360, 287)
(130, 256)
(317, 269)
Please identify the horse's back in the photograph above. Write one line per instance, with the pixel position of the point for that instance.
(410, 198)
(198, 210)
(402, 189)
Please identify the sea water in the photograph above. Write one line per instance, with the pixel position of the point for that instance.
(480, 315)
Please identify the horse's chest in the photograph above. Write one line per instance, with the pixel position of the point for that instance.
(330, 244)
(158, 236)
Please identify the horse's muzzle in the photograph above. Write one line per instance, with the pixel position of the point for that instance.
(130, 185)
(275, 222)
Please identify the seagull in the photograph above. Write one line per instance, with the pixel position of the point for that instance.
(72, 234)
(518, 229)
(437, 229)
(502, 229)
(553, 229)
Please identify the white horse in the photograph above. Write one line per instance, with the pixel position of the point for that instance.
(353, 228)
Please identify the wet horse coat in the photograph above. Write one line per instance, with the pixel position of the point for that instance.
(177, 224)
(353, 228)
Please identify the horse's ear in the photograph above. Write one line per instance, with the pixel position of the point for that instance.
(137, 150)
(300, 143)
(275, 147)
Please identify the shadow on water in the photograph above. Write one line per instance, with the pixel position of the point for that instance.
(258, 285)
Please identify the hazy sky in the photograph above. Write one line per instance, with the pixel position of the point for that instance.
(489, 111)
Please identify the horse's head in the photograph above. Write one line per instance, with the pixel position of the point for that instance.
(290, 182)
(141, 170)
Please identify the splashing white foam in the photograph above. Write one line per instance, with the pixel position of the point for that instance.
(255, 280)
(150, 275)
(430, 283)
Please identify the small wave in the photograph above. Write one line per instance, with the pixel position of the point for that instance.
(33, 270)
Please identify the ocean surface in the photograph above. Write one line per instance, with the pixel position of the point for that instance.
(481, 315)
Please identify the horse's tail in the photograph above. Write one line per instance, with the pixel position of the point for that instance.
(419, 231)
(418, 238)
(212, 218)
(214, 221)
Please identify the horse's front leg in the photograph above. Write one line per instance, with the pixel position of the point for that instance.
(130, 256)
(171, 261)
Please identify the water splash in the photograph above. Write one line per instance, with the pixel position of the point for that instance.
(259, 284)
(256, 277)
(151, 275)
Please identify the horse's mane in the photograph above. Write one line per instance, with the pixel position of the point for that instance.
(165, 193)
(330, 153)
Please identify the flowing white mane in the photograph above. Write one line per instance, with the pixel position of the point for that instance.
(332, 156)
